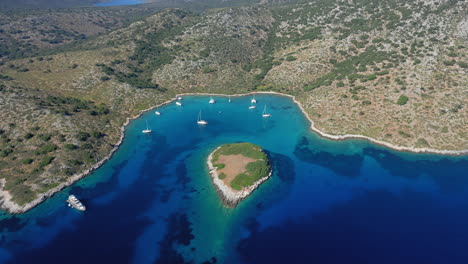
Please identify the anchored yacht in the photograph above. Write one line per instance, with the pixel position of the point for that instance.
(147, 130)
(75, 203)
(265, 114)
(253, 101)
(200, 121)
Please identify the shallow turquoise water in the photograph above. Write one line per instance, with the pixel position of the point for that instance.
(327, 202)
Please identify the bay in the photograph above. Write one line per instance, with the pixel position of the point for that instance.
(328, 201)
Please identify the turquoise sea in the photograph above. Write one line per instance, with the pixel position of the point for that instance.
(327, 202)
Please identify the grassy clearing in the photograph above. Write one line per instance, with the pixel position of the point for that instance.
(246, 149)
(253, 171)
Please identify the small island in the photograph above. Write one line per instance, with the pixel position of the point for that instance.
(237, 170)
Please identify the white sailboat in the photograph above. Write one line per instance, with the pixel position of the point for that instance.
(253, 101)
(200, 121)
(252, 107)
(178, 103)
(265, 114)
(147, 130)
(212, 101)
(229, 100)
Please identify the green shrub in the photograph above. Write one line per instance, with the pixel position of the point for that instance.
(449, 62)
(422, 143)
(291, 58)
(402, 100)
(75, 162)
(371, 77)
(404, 134)
(70, 146)
(61, 138)
(46, 149)
(220, 166)
(208, 70)
(27, 161)
(45, 137)
(97, 134)
(46, 161)
(5, 77)
(28, 135)
(82, 136)
(87, 146)
(93, 112)
(5, 152)
(463, 64)
(222, 176)
(384, 72)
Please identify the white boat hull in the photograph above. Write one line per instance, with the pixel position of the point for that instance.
(75, 203)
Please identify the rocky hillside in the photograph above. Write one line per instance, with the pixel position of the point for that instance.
(395, 71)
(29, 33)
(391, 70)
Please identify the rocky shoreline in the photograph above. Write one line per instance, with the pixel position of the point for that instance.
(230, 197)
(7, 204)
(345, 136)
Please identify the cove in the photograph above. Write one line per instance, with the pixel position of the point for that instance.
(327, 201)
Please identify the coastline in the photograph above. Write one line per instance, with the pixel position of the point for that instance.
(346, 136)
(229, 197)
(11, 207)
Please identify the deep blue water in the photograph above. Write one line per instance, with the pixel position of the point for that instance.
(120, 2)
(327, 202)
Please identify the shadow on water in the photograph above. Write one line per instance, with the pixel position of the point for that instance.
(374, 227)
(12, 224)
(98, 236)
(278, 186)
(456, 180)
(283, 166)
(179, 232)
(348, 165)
